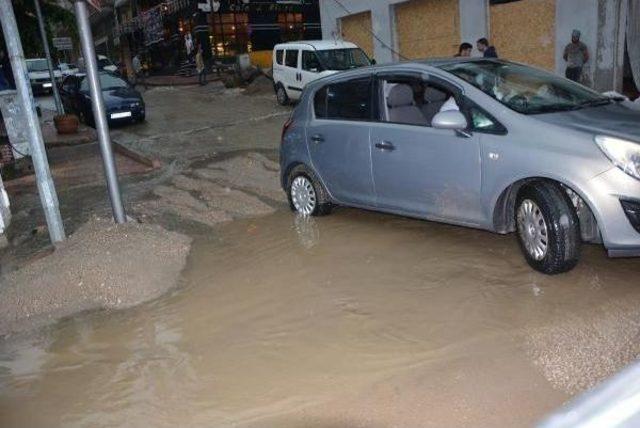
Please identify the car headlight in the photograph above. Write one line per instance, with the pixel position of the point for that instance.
(624, 154)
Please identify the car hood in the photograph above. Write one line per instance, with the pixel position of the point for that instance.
(619, 119)
(115, 97)
(43, 74)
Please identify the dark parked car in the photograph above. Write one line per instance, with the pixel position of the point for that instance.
(122, 102)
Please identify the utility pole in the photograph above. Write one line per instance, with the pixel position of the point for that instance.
(47, 53)
(99, 113)
(46, 189)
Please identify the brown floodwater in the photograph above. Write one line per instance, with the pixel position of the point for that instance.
(355, 319)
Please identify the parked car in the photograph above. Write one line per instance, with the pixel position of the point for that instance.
(67, 69)
(482, 143)
(104, 64)
(39, 76)
(295, 64)
(122, 102)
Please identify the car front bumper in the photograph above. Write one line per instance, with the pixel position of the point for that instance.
(606, 192)
(41, 87)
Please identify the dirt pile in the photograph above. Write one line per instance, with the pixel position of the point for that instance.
(240, 187)
(101, 266)
(261, 85)
(584, 349)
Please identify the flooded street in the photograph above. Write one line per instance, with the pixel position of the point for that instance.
(355, 319)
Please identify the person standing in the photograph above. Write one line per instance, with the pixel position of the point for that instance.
(464, 50)
(136, 63)
(487, 50)
(200, 68)
(576, 54)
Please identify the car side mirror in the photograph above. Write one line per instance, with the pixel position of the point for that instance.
(451, 119)
(373, 61)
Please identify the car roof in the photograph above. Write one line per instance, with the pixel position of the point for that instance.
(318, 44)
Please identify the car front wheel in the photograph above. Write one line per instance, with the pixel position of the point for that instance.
(548, 228)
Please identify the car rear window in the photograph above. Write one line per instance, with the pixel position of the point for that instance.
(291, 58)
(350, 100)
(279, 55)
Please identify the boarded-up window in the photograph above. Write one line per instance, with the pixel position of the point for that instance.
(357, 29)
(428, 28)
(524, 31)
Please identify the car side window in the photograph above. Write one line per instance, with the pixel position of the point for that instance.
(349, 100)
(291, 58)
(481, 121)
(310, 62)
(279, 56)
(320, 103)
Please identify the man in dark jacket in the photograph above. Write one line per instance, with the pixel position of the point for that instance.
(487, 50)
(6, 70)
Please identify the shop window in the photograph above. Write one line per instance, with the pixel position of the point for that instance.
(230, 32)
(291, 26)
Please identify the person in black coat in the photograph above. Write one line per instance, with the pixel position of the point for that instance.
(487, 50)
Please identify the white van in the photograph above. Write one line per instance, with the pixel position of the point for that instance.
(297, 63)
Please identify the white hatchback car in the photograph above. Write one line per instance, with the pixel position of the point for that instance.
(295, 64)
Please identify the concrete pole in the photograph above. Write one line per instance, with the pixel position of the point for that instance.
(47, 53)
(46, 189)
(99, 113)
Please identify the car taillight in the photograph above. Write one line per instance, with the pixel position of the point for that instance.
(285, 128)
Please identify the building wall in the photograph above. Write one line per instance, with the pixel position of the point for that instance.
(416, 21)
(357, 29)
(524, 31)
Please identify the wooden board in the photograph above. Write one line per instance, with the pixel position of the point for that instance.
(524, 31)
(357, 29)
(428, 28)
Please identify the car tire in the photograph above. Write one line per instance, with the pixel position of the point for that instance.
(548, 228)
(307, 196)
(281, 95)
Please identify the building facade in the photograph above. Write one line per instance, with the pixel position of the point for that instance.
(159, 28)
(530, 31)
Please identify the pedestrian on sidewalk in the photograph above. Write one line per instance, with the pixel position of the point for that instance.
(576, 54)
(487, 50)
(200, 68)
(136, 63)
(464, 50)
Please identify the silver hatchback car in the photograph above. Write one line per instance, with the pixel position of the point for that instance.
(488, 144)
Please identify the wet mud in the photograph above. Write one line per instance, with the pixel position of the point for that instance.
(356, 319)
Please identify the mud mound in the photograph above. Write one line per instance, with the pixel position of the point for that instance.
(578, 353)
(101, 266)
(253, 172)
(261, 85)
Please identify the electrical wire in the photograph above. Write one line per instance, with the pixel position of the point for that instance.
(375, 36)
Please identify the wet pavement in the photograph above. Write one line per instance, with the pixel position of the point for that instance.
(355, 319)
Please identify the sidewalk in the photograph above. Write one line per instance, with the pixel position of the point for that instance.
(171, 80)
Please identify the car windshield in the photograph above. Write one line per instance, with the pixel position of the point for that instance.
(107, 82)
(343, 59)
(37, 65)
(525, 89)
(104, 62)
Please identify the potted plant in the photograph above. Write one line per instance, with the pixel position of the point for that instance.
(66, 123)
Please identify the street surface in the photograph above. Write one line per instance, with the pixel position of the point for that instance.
(357, 319)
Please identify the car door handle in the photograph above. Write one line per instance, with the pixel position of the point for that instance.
(317, 138)
(385, 146)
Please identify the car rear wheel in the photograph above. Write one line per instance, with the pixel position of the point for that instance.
(307, 196)
(548, 228)
(281, 95)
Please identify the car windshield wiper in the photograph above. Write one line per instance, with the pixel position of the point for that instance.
(551, 108)
(597, 102)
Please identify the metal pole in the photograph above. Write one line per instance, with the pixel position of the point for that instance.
(46, 189)
(99, 114)
(47, 53)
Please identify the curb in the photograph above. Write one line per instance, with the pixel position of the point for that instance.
(154, 163)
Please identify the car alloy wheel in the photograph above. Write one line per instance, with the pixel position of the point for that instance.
(303, 195)
(532, 228)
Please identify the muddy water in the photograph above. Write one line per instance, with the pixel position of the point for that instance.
(356, 319)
